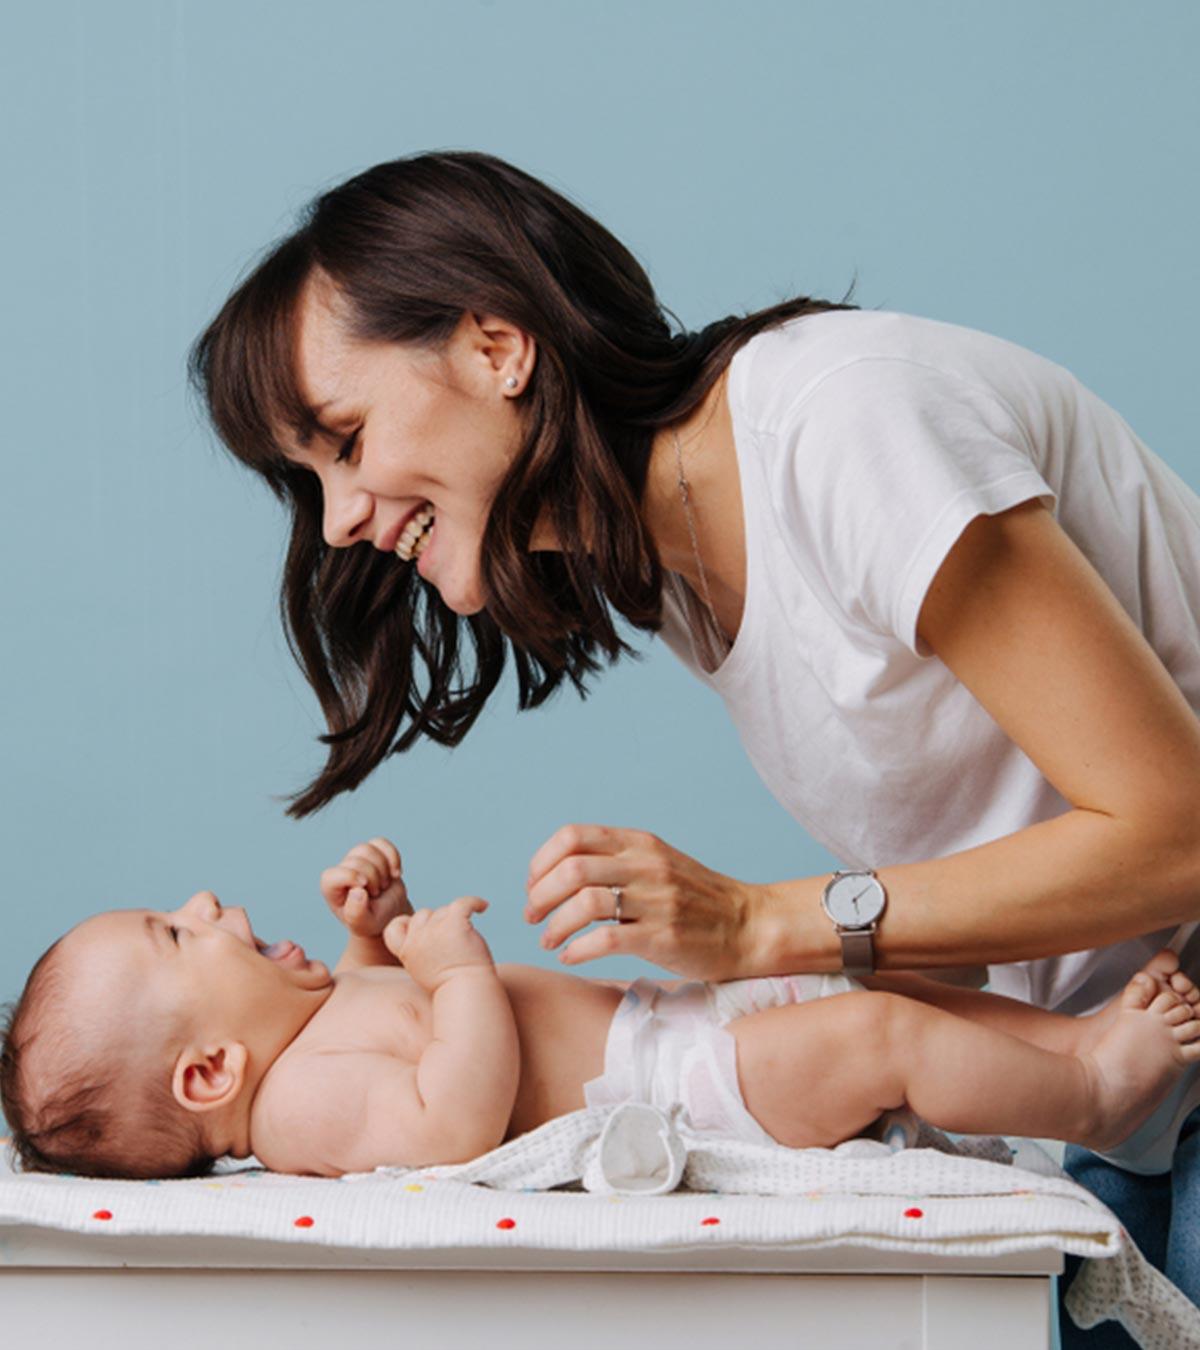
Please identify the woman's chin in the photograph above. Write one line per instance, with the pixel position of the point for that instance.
(463, 595)
(463, 607)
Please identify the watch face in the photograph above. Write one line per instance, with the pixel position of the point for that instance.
(854, 901)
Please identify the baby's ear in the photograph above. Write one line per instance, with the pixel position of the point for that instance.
(207, 1077)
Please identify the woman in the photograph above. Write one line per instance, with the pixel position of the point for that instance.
(947, 596)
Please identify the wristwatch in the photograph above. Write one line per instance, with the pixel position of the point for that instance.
(854, 901)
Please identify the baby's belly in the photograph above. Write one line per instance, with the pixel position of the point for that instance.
(562, 1021)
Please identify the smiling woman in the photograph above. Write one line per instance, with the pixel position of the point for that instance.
(947, 596)
(447, 332)
(412, 443)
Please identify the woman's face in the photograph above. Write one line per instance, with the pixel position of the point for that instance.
(408, 431)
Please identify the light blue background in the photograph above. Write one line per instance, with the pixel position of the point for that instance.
(1029, 169)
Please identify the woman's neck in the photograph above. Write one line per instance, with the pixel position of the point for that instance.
(710, 467)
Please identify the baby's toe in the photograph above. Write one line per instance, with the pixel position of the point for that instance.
(1162, 965)
(1184, 986)
(1139, 991)
(1164, 1001)
(1179, 1014)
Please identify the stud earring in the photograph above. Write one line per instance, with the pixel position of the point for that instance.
(511, 382)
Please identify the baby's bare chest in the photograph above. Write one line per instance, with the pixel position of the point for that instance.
(378, 1010)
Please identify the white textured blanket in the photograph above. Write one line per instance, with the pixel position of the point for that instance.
(860, 1194)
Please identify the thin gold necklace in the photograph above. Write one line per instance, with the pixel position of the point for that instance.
(686, 493)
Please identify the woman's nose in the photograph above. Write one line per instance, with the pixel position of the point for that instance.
(346, 512)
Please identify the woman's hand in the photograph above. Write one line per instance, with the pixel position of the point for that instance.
(674, 912)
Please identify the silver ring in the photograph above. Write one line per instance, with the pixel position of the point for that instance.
(617, 891)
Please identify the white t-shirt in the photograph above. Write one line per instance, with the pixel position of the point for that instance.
(866, 442)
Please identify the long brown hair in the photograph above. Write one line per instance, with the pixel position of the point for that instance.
(411, 246)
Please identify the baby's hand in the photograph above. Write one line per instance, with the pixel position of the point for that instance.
(365, 890)
(434, 944)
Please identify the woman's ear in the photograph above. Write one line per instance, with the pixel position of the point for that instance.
(208, 1077)
(506, 348)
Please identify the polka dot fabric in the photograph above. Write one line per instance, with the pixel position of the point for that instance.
(736, 1194)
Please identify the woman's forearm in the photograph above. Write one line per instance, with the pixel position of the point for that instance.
(1081, 880)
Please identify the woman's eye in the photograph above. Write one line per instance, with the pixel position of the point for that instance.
(347, 448)
(174, 932)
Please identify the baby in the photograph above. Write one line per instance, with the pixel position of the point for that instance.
(147, 1044)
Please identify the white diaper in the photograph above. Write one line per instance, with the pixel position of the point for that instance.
(669, 1047)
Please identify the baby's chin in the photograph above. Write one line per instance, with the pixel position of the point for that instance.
(317, 975)
(290, 958)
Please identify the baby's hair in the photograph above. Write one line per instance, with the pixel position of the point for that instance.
(68, 1113)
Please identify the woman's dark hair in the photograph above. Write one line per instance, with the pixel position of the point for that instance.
(411, 246)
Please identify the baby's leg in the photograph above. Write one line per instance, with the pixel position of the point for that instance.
(816, 1073)
(1052, 1031)
(813, 1074)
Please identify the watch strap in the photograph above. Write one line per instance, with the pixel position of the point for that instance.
(858, 951)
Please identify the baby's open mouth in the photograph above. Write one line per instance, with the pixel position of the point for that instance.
(411, 543)
(278, 951)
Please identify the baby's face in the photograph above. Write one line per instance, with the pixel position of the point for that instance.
(201, 963)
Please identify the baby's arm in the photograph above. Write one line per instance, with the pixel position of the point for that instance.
(468, 1072)
(352, 1112)
(356, 1111)
(366, 892)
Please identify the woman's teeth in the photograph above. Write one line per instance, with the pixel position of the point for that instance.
(411, 543)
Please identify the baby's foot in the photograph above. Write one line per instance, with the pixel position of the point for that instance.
(1151, 1034)
(1163, 969)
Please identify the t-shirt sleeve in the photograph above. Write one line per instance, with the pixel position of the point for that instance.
(884, 463)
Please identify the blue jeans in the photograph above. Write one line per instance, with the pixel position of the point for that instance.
(1160, 1213)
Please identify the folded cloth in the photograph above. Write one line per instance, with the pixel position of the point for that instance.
(980, 1199)
(640, 1149)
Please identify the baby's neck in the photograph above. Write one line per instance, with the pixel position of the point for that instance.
(272, 1037)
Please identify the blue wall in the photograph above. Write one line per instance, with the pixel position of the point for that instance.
(1028, 169)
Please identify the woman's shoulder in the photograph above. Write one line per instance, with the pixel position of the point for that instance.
(860, 351)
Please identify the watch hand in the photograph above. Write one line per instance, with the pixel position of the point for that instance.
(860, 895)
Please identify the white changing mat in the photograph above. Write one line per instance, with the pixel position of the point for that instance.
(859, 1194)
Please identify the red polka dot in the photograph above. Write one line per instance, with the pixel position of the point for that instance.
(304, 1221)
(507, 1223)
(914, 1213)
(705, 1222)
(102, 1214)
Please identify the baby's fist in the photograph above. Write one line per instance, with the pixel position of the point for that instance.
(434, 944)
(366, 890)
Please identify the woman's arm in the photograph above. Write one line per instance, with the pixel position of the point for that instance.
(1019, 615)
